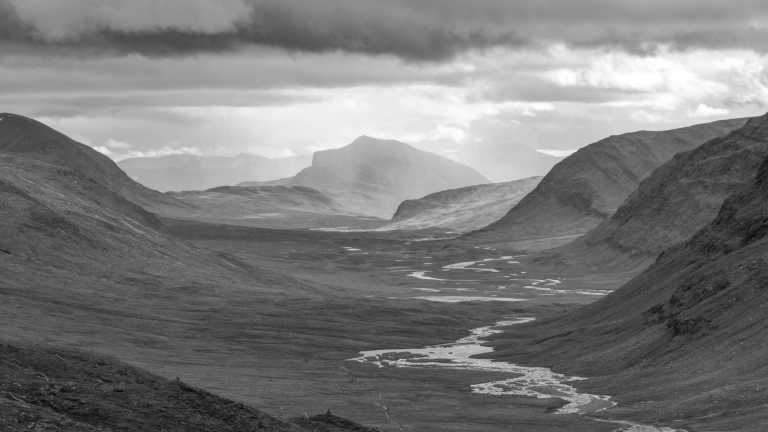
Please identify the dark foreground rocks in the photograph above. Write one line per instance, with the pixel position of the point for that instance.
(43, 389)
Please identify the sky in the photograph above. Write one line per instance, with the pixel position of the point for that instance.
(476, 81)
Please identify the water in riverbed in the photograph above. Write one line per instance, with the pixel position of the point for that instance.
(538, 382)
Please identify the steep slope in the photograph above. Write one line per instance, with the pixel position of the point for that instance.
(372, 176)
(588, 186)
(25, 137)
(292, 207)
(54, 390)
(82, 266)
(674, 202)
(66, 206)
(686, 338)
(191, 172)
(461, 210)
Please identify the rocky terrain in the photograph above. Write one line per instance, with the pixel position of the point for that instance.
(587, 187)
(55, 390)
(683, 342)
(372, 176)
(463, 209)
(192, 172)
(674, 202)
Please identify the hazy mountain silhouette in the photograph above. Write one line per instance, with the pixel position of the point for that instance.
(372, 176)
(192, 172)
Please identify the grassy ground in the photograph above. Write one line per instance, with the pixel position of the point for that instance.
(283, 346)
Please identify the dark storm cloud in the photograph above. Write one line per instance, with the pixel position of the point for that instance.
(412, 29)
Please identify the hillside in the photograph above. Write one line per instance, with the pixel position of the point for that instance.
(686, 338)
(55, 390)
(84, 267)
(24, 137)
(587, 187)
(463, 209)
(372, 176)
(282, 207)
(674, 202)
(67, 207)
(192, 172)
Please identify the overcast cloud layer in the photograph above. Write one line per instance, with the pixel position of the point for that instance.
(413, 29)
(477, 81)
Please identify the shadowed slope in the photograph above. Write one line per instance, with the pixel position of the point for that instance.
(24, 137)
(84, 266)
(67, 391)
(68, 207)
(677, 200)
(686, 338)
(587, 187)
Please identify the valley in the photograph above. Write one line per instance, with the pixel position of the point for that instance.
(399, 330)
(374, 272)
(383, 216)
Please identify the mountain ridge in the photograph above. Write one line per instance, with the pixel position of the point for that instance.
(462, 209)
(684, 338)
(587, 187)
(675, 201)
(373, 176)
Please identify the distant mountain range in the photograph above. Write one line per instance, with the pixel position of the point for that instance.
(372, 176)
(588, 186)
(463, 209)
(192, 172)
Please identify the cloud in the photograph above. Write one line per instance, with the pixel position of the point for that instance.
(557, 153)
(410, 29)
(71, 19)
(704, 110)
(118, 150)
